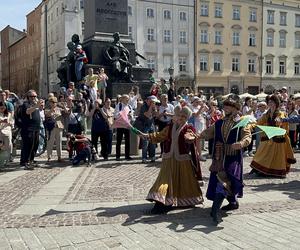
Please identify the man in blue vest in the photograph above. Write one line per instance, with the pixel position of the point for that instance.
(226, 177)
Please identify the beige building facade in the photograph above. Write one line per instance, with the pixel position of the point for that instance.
(281, 45)
(228, 46)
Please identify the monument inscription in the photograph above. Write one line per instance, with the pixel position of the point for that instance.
(111, 16)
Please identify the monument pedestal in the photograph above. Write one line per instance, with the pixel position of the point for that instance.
(102, 19)
(119, 88)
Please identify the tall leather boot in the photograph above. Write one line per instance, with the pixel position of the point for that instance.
(216, 208)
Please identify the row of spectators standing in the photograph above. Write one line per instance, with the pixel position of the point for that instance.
(289, 105)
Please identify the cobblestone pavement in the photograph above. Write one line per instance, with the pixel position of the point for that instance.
(100, 207)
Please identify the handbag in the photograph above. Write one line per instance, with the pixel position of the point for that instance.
(49, 123)
(79, 125)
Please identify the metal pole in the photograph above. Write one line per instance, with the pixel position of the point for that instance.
(46, 43)
(195, 45)
(261, 48)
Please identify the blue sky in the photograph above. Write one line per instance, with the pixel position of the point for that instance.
(13, 12)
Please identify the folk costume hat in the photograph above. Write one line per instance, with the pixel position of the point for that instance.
(275, 99)
(232, 103)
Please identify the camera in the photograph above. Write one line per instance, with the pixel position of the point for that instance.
(72, 138)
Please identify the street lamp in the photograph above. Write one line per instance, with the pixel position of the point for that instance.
(171, 72)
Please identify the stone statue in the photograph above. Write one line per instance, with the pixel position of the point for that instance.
(118, 56)
(66, 71)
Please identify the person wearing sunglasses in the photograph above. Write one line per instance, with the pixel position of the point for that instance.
(31, 121)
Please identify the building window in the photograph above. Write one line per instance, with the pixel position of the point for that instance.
(130, 32)
(270, 19)
(283, 16)
(182, 37)
(251, 65)
(281, 67)
(150, 13)
(282, 39)
(297, 40)
(236, 13)
(217, 63)
(167, 14)
(151, 62)
(269, 67)
(270, 38)
(203, 63)
(297, 68)
(129, 11)
(81, 4)
(252, 39)
(297, 20)
(182, 16)
(167, 36)
(204, 9)
(204, 36)
(182, 64)
(236, 38)
(253, 15)
(218, 37)
(235, 64)
(218, 11)
(150, 34)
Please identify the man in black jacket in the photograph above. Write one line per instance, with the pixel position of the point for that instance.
(31, 124)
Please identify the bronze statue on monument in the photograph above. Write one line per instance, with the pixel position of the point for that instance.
(118, 57)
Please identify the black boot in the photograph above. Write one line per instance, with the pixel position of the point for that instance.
(231, 206)
(160, 208)
(216, 208)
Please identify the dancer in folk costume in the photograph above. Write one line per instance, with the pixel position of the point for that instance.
(273, 156)
(176, 184)
(226, 177)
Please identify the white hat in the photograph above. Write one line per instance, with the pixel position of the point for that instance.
(195, 98)
(284, 87)
(153, 98)
(79, 46)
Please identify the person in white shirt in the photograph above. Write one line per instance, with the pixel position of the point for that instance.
(134, 96)
(248, 110)
(261, 110)
(165, 114)
(199, 108)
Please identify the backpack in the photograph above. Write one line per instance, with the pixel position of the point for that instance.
(19, 116)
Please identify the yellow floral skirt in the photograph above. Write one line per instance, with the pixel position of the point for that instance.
(176, 184)
(274, 158)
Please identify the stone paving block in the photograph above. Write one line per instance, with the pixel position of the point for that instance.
(68, 248)
(112, 242)
(15, 239)
(4, 243)
(125, 241)
(30, 239)
(46, 240)
(86, 246)
(44, 200)
(73, 235)
(33, 209)
(9, 176)
(60, 236)
(87, 234)
(203, 239)
(141, 241)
